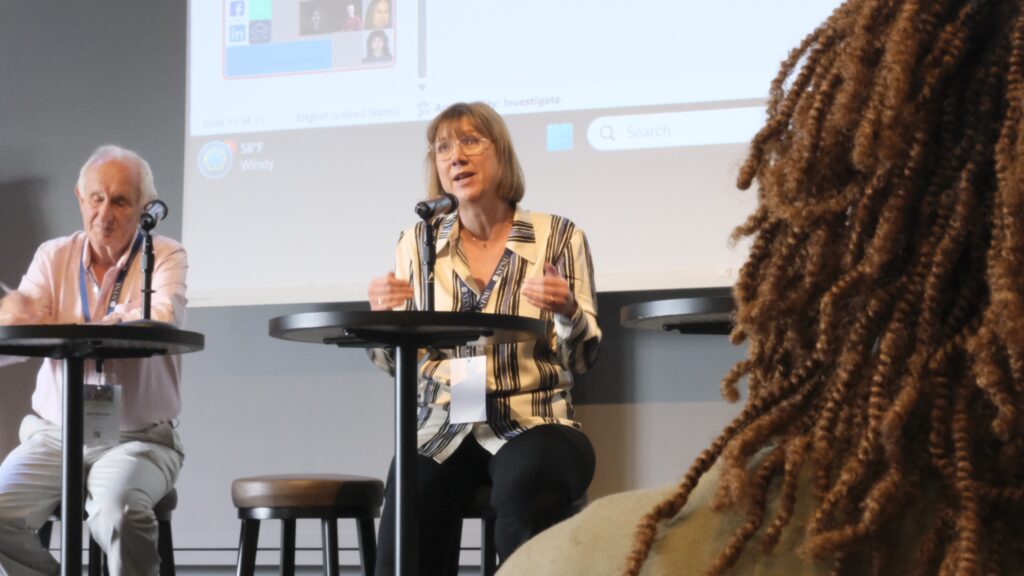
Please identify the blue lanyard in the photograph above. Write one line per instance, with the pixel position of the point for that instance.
(83, 294)
(468, 302)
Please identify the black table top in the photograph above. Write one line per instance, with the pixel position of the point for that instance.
(128, 340)
(694, 315)
(436, 329)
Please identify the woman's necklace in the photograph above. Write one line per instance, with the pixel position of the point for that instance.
(497, 235)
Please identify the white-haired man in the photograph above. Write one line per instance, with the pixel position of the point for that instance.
(95, 276)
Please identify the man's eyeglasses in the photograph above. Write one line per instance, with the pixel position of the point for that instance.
(471, 146)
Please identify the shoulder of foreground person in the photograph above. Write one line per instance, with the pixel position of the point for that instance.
(594, 542)
(598, 540)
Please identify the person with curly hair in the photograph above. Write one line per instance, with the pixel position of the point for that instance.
(883, 307)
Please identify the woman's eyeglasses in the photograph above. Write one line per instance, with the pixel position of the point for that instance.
(471, 146)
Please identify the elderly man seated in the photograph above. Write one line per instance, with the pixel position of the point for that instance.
(95, 276)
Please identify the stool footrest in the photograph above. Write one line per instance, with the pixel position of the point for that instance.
(301, 512)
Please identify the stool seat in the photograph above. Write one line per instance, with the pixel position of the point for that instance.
(161, 509)
(291, 497)
(307, 491)
(166, 505)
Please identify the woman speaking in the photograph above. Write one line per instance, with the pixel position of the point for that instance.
(500, 414)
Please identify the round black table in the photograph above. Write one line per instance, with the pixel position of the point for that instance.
(74, 343)
(692, 315)
(407, 331)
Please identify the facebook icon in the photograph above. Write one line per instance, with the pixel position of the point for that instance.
(237, 8)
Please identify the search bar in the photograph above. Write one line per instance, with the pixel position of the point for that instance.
(672, 129)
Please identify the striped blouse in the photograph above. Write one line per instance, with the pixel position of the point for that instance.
(528, 383)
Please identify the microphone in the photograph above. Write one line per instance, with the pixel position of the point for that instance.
(444, 204)
(154, 212)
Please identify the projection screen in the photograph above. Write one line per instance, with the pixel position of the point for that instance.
(305, 141)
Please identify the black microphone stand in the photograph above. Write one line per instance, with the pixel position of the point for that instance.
(428, 256)
(147, 223)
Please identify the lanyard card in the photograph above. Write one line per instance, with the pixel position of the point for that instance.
(469, 390)
(102, 411)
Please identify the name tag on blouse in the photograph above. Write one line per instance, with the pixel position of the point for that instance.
(102, 413)
(469, 390)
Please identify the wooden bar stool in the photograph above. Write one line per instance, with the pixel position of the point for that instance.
(291, 497)
(480, 507)
(165, 544)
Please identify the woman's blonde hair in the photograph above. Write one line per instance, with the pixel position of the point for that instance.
(490, 125)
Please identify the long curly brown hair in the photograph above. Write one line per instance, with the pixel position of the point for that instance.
(883, 299)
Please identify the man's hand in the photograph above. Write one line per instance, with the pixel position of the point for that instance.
(17, 308)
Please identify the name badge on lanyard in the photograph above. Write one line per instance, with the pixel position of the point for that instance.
(469, 375)
(469, 390)
(102, 412)
(102, 402)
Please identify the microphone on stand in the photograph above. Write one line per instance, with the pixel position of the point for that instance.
(443, 204)
(154, 212)
(428, 210)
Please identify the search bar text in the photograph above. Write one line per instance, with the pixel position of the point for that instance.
(672, 129)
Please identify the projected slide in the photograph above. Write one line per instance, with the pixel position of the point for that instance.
(263, 37)
(630, 119)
